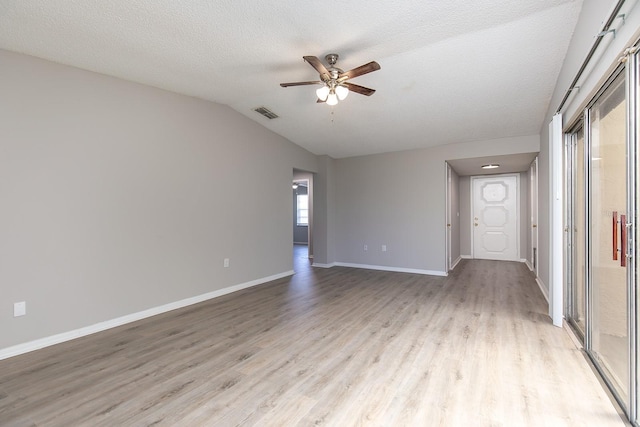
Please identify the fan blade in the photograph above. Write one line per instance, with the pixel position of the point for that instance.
(300, 83)
(358, 71)
(320, 68)
(359, 89)
(320, 101)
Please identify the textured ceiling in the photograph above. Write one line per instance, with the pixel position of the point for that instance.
(452, 71)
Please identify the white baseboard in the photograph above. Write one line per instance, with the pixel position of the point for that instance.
(317, 264)
(543, 289)
(395, 269)
(528, 264)
(455, 263)
(16, 350)
(523, 260)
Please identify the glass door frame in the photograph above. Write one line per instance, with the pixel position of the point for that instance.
(633, 202)
(570, 228)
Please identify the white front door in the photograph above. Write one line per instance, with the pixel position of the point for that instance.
(495, 217)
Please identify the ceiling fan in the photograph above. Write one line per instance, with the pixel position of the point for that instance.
(334, 81)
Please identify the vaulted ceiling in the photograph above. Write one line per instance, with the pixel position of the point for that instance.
(451, 71)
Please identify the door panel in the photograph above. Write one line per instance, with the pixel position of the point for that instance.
(495, 228)
(608, 202)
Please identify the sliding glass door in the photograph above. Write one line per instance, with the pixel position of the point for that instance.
(601, 206)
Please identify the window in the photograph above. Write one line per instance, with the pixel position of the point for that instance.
(302, 208)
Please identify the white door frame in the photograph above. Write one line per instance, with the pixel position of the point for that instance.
(448, 219)
(556, 214)
(298, 176)
(533, 172)
(472, 194)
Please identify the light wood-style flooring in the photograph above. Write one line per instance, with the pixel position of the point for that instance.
(326, 347)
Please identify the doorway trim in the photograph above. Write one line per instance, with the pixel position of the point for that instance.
(448, 218)
(300, 175)
(533, 194)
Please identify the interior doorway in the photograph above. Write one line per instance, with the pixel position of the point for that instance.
(302, 215)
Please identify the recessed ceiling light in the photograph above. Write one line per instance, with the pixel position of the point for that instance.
(491, 166)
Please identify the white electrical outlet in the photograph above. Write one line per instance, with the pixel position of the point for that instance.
(19, 309)
(226, 262)
(366, 248)
(384, 248)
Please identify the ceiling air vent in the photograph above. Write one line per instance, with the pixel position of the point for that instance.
(266, 112)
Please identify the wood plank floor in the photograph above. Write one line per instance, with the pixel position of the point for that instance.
(326, 347)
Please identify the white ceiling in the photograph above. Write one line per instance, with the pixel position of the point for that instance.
(452, 71)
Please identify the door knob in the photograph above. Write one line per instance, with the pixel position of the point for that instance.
(476, 224)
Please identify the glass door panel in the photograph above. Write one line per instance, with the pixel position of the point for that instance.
(609, 344)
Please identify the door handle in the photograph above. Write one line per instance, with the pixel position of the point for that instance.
(534, 225)
(614, 227)
(475, 223)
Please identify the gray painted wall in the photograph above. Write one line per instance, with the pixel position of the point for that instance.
(592, 15)
(399, 202)
(118, 197)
